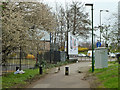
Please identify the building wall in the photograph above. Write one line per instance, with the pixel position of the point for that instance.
(44, 45)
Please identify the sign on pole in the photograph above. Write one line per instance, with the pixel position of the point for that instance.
(98, 44)
(72, 44)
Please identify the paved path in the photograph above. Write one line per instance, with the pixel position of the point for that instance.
(59, 80)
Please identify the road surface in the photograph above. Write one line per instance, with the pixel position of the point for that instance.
(59, 80)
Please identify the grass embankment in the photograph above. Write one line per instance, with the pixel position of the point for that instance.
(107, 77)
(12, 80)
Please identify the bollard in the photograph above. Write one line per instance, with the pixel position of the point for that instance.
(40, 70)
(17, 68)
(118, 57)
(66, 70)
(58, 68)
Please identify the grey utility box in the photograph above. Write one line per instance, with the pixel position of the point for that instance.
(101, 57)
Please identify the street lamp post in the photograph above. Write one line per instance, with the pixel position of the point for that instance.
(101, 22)
(94, 39)
(92, 36)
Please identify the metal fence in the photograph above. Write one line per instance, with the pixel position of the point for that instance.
(26, 62)
(84, 58)
(25, 57)
(52, 56)
(49, 56)
(13, 63)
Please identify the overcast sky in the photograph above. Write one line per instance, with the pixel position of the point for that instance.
(111, 5)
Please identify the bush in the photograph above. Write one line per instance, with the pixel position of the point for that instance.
(12, 55)
(29, 56)
(82, 49)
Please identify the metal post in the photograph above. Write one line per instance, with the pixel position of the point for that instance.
(67, 47)
(92, 36)
(100, 22)
(61, 35)
(50, 47)
(38, 60)
(67, 34)
(100, 25)
(106, 45)
(44, 50)
(40, 69)
(20, 57)
(44, 44)
(92, 42)
(17, 68)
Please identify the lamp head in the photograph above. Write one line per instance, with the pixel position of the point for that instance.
(88, 4)
(107, 10)
(104, 10)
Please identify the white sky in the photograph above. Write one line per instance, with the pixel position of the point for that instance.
(111, 5)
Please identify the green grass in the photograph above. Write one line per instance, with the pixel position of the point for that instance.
(11, 79)
(107, 76)
(113, 51)
(84, 52)
(0, 82)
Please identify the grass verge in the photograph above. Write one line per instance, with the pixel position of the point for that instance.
(12, 80)
(108, 77)
(83, 52)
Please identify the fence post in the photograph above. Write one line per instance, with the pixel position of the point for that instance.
(20, 57)
(50, 47)
(17, 68)
(67, 45)
(44, 50)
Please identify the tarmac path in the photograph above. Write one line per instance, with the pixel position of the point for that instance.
(60, 80)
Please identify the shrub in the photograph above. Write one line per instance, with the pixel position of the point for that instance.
(82, 49)
(29, 56)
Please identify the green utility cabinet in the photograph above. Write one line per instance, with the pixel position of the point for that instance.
(101, 57)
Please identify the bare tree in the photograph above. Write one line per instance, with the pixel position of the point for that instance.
(114, 30)
(71, 19)
(78, 20)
